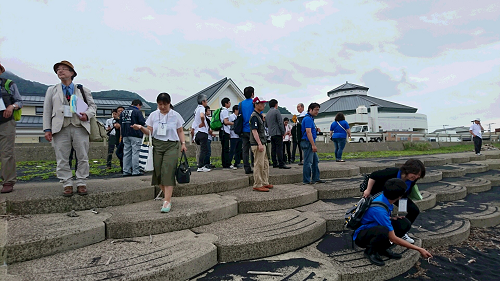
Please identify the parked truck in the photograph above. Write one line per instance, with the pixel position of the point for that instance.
(363, 129)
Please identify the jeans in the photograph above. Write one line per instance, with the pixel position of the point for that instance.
(247, 153)
(235, 151)
(478, 142)
(111, 148)
(131, 148)
(296, 145)
(311, 161)
(224, 139)
(339, 147)
(209, 152)
(277, 151)
(202, 139)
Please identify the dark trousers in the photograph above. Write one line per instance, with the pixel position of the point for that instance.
(286, 151)
(478, 142)
(413, 210)
(296, 145)
(277, 151)
(224, 140)
(377, 237)
(202, 140)
(247, 153)
(235, 151)
(112, 143)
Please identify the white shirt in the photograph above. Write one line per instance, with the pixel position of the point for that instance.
(302, 114)
(233, 117)
(288, 129)
(224, 113)
(197, 121)
(170, 122)
(109, 123)
(476, 130)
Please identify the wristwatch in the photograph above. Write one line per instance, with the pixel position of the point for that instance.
(15, 106)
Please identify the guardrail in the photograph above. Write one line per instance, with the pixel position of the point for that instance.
(394, 136)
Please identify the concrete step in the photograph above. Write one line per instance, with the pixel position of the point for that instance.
(492, 163)
(46, 197)
(212, 182)
(492, 175)
(447, 171)
(172, 256)
(370, 166)
(491, 154)
(35, 236)
(473, 185)
(438, 230)
(428, 161)
(473, 167)
(281, 197)
(250, 236)
(431, 176)
(336, 248)
(457, 158)
(339, 188)
(475, 157)
(145, 218)
(444, 191)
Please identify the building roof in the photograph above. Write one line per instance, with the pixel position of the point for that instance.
(348, 104)
(456, 129)
(187, 107)
(347, 86)
(29, 121)
(101, 103)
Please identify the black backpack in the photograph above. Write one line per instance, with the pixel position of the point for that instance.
(364, 184)
(355, 214)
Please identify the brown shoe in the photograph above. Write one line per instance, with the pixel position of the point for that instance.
(68, 191)
(81, 190)
(269, 186)
(261, 189)
(7, 187)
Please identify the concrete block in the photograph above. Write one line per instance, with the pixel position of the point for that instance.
(367, 167)
(212, 182)
(339, 188)
(444, 191)
(473, 185)
(332, 211)
(172, 256)
(431, 176)
(492, 175)
(428, 201)
(448, 171)
(145, 218)
(250, 236)
(473, 167)
(442, 232)
(42, 235)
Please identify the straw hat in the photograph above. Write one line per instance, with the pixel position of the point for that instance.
(2, 69)
(66, 63)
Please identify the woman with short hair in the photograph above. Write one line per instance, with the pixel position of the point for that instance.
(165, 126)
(340, 131)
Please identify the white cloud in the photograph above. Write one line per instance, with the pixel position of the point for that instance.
(314, 5)
(148, 17)
(280, 19)
(440, 18)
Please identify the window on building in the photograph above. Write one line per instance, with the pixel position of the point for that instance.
(39, 110)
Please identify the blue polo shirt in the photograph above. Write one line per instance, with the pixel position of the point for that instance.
(246, 109)
(408, 182)
(376, 215)
(308, 122)
(338, 132)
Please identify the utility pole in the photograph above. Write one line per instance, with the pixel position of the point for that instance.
(489, 126)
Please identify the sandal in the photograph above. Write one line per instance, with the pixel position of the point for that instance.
(81, 190)
(68, 191)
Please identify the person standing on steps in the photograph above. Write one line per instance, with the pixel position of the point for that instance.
(112, 137)
(378, 229)
(297, 133)
(340, 131)
(225, 133)
(201, 128)
(66, 129)
(286, 141)
(411, 171)
(476, 130)
(276, 131)
(257, 141)
(10, 100)
(119, 142)
(165, 125)
(308, 145)
(246, 109)
(235, 146)
(132, 139)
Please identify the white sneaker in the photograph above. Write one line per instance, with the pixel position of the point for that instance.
(233, 167)
(203, 169)
(408, 239)
(478, 153)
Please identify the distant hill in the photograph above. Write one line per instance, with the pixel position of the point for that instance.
(27, 87)
(282, 110)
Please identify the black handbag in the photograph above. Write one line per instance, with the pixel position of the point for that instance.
(183, 172)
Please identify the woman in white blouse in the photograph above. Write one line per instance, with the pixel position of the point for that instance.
(168, 136)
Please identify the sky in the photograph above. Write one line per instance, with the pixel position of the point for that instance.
(442, 57)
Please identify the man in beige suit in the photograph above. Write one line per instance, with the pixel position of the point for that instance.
(66, 129)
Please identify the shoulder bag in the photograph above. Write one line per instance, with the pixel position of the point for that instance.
(183, 172)
(146, 154)
(97, 129)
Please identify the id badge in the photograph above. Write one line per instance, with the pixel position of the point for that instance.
(403, 203)
(162, 129)
(67, 111)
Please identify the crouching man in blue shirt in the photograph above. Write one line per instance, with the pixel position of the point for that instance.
(378, 229)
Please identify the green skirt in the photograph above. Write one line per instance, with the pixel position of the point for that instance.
(165, 158)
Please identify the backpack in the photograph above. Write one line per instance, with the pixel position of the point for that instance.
(238, 122)
(6, 85)
(215, 123)
(364, 184)
(355, 214)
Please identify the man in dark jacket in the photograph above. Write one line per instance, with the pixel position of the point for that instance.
(132, 139)
(276, 132)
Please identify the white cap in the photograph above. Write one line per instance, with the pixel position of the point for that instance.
(477, 119)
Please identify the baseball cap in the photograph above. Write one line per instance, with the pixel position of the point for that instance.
(256, 100)
(477, 119)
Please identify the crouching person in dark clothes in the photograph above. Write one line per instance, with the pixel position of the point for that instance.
(378, 228)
